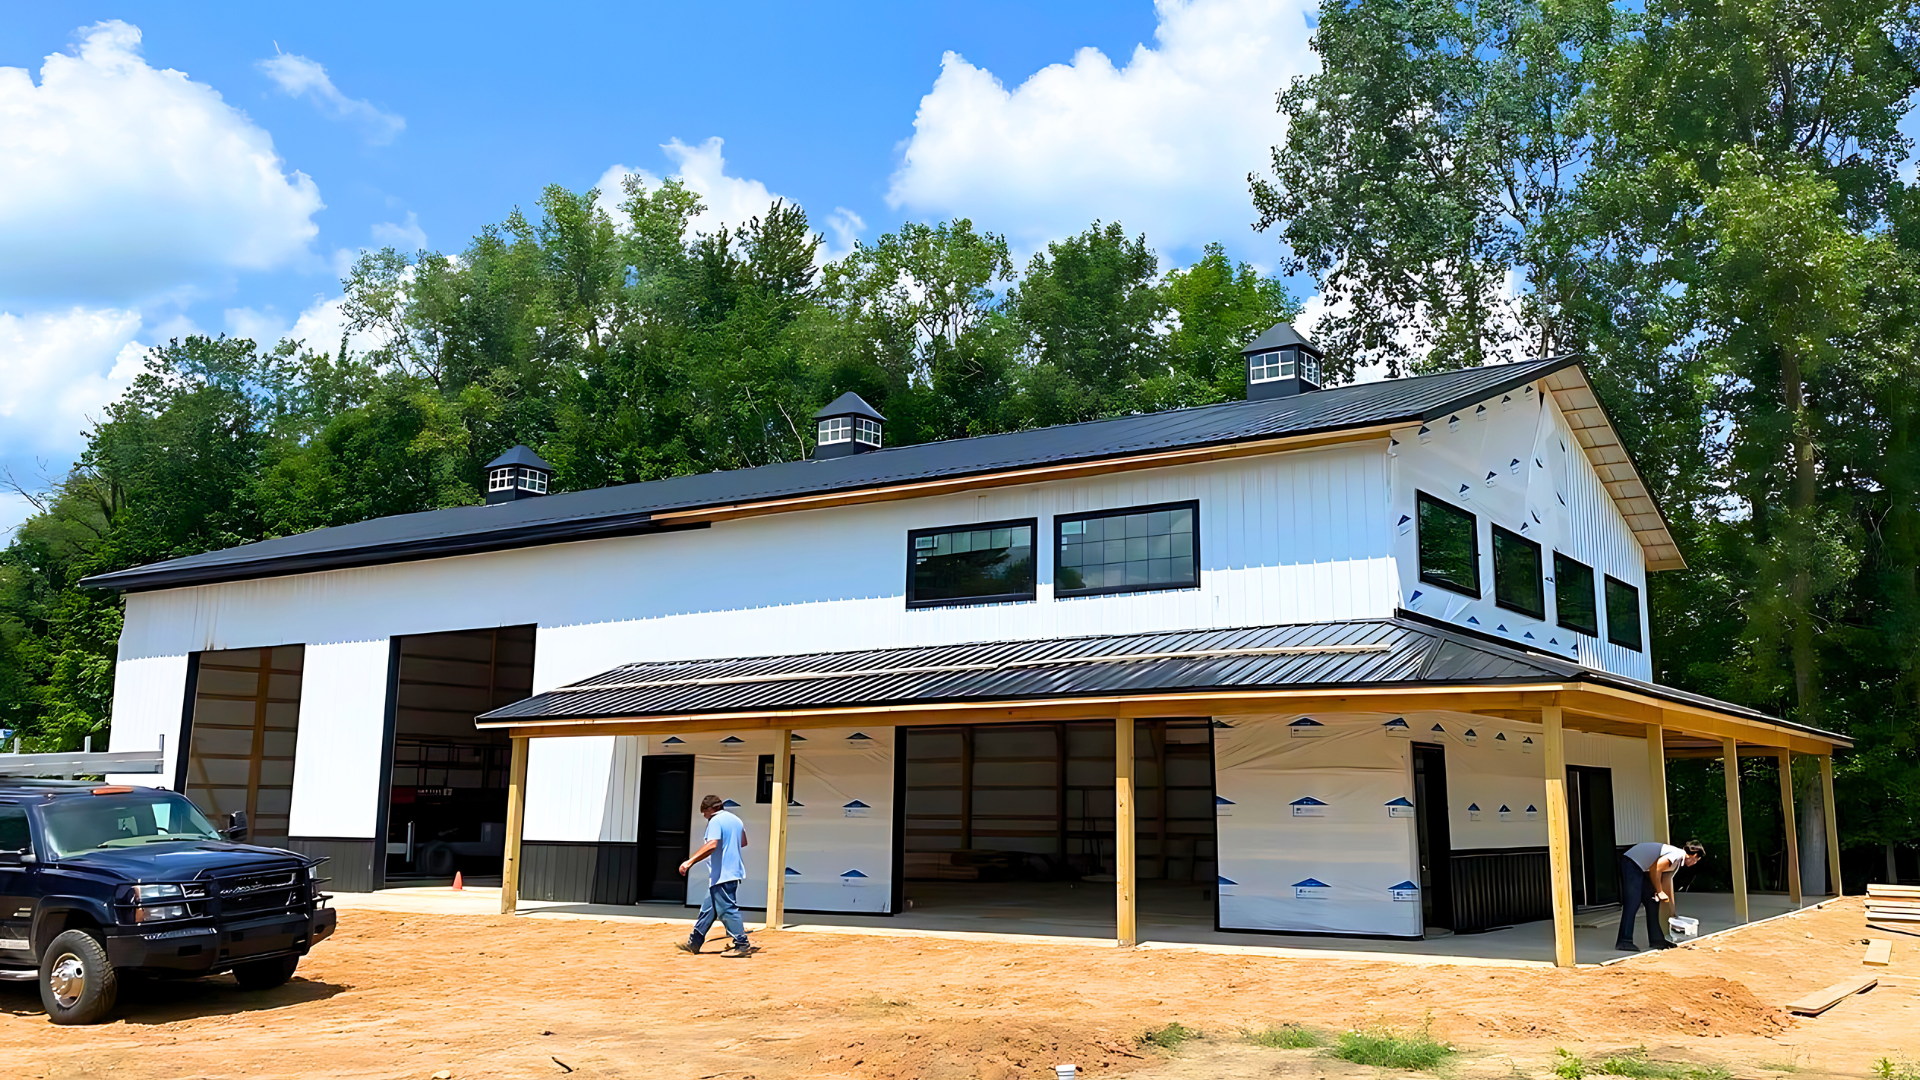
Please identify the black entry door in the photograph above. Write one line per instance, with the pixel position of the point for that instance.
(1436, 842)
(666, 807)
(1596, 879)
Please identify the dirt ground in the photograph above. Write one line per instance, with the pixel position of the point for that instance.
(397, 995)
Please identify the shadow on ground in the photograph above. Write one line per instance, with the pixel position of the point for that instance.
(164, 1001)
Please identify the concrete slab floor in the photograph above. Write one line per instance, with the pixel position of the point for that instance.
(1178, 917)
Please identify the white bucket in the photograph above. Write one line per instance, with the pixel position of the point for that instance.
(1684, 925)
(1065, 1072)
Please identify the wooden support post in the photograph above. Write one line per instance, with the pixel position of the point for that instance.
(1657, 798)
(1792, 827)
(1833, 826)
(1736, 835)
(777, 833)
(1126, 933)
(516, 816)
(1559, 835)
(1657, 783)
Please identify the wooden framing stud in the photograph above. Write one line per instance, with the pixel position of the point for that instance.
(1736, 834)
(1657, 783)
(1559, 834)
(777, 833)
(516, 819)
(1126, 931)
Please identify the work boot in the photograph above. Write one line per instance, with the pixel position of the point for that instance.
(1626, 946)
(1663, 943)
(687, 946)
(735, 952)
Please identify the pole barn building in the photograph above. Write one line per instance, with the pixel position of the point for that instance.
(1364, 660)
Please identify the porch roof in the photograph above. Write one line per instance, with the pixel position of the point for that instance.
(1402, 663)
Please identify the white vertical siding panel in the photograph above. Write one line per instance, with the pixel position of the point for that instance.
(337, 786)
(149, 699)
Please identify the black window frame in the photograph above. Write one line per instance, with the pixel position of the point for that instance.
(1061, 521)
(763, 779)
(1422, 498)
(1032, 593)
(1639, 621)
(1559, 590)
(1539, 572)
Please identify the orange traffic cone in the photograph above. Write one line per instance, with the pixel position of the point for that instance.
(459, 883)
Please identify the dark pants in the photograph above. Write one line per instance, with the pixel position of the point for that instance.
(1636, 891)
(721, 901)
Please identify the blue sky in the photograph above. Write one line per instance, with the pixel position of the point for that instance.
(167, 168)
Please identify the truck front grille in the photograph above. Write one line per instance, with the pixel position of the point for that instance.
(263, 894)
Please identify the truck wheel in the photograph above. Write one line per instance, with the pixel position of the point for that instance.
(265, 974)
(77, 982)
(437, 860)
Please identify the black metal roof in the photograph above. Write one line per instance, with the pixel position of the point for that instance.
(520, 455)
(628, 508)
(1279, 336)
(849, 404)
(1405, 651)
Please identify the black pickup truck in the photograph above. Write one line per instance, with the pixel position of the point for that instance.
(98, 881)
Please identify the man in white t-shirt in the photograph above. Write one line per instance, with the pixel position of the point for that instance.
(1646, 881)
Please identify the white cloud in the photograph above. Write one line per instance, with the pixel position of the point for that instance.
(407, 237)
(119, 180)
(57, 370)
(1163, 144)
(730, 200)
(298, 76)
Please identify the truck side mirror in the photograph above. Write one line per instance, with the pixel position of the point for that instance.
(15, 858)
(236, 829)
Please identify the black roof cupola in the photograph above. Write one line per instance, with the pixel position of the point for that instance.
(847, 426)
(1281, 363)
(517, 474)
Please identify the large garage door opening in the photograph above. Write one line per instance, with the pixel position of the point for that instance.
(447, 799)
(1016, 821)
(246, 716)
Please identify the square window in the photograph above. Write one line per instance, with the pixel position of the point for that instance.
(1516, 574)
(1573, 596)
(1449, 546)
(1623, 614)
(1138, 548)
(971, 564)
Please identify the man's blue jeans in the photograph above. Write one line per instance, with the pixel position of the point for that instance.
(720, 901)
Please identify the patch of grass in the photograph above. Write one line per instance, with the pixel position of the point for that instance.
(882, 1004)
(1288, 1037)
(1889, 1069)
(1636, 1065)
(1570, 1066)
(1384, 1048)
(1169, 1037)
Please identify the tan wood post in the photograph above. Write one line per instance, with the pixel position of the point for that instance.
(1792, 827)
(777, 833)
(1736, 834)
(1125, 932)
(1657, 783)
(1833, 825)
(1559, 835)
(1657, 798)
(516, 816)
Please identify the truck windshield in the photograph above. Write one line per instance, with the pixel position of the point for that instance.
(113, 821)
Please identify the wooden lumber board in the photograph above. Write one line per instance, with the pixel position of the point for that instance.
(1894, 916)
(1821, 1000)
(1892, 891)
(1879, 952)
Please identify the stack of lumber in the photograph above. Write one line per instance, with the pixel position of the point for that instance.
(1895, 907)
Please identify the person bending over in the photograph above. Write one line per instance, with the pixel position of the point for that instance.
(1646, 881)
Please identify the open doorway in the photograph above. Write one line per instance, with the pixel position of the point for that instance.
(1017, 821)
(245, 723)
(1434, 835)
(1596, 873)
(666, 817)
(447, 797)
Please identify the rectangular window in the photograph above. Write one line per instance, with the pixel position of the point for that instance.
(837, 430)
(14, 835)
(1130, 550)
(1516, 574)
(1268, 366)
(533, 480)
(1573, 597)
(866, 431)
(500, 480)
(1449, 546)
(1623, 614)
(971, 564)
(763, 791)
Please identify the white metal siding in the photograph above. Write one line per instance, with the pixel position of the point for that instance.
(149, 696)
(337, 786)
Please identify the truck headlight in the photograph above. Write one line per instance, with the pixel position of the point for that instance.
(159, 912)
(157, 892)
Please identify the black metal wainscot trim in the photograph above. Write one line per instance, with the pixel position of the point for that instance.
(1495, 887)
(349, 866)
(580, 872)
